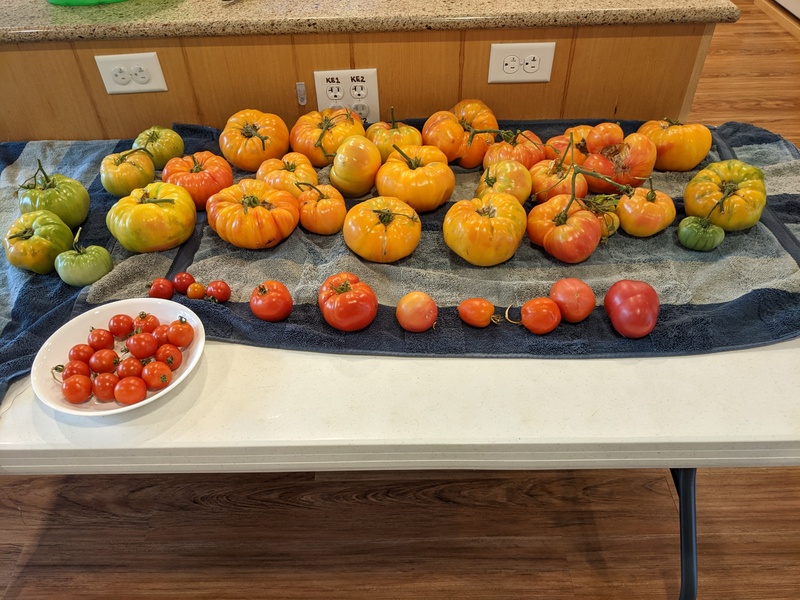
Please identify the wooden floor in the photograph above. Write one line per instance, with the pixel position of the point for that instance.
(588, 535)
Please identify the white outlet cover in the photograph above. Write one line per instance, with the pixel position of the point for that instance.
(130, 62)
(359, 89)
(500, 53)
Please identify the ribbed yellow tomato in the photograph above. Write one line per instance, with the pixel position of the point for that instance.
(679, 146)
(251, 136)
(382, 229)
(322, 209)
(418, 175)
(284, 173)
(319, 134)
(508, 177)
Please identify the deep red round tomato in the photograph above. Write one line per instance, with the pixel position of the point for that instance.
(218, 290)
(540, 315)
(77, 389)
(346, 302)
(632, 307)
(120, 325)
(130, 390)
(157, 375)
(478, 312)
(575, 299)
(100, 339)
(103, 386)
(180, 333)
(129, 367)
(161, 288)
(142, 345)
(145, 322)
(416, 312)
(81, 352)
(104, 361)
(160, 334)
(196, 291)
(181, 282)
(73, 367)
(271, 301)
(169, 355)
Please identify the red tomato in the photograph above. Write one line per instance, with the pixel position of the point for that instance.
(77, 389)
(575, 299)
(218, 291)
(81, 352)
(103, 386)
(180, 333)
(477, 312)
(632, 307)
(120, 325)
(104, 361)
(145, 322)
(73, 367)
(196, 291)
(157, 375)
(130, 390)
(271, 301)
(169, 355)
(142, 345)
(181, 282)
(416, 312)
(100, 339)
(161, 288)
(160, 334)
(129, 367)
(540, 315)
(346, 302)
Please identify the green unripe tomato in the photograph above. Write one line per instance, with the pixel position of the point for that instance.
(62, 195)
(162, 143)
(697, 233)
(83, 265)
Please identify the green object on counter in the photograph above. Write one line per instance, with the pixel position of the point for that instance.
(82, 2)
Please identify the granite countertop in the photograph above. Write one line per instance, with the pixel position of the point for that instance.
(38, 20)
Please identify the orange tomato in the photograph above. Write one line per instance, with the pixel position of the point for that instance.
(417, 175)
(202, 174)
(508, 177)
(250, 137)
(522, 146)
(355, 165)
(322, 209)
(645, 212)
(679, 146)
(627, 163)
(452, 132)
(284, 173)
(382, 229)
(318, 134)
(551, 177)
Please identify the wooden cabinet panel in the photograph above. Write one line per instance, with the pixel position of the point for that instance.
(319, 52)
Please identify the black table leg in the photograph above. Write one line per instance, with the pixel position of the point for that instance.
(684, 480)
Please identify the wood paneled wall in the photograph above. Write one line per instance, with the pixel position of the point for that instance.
(54, 90)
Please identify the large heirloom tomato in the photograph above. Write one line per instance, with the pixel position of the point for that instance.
(629, 162)
(123, 172)
(507, 177)
(417, 175)
(679, 146)
(202, 174)
(485, 231)
(552, 177)
(388, 135)
(382, 229)
(253, 215)
(632, 307)
(162, 143)
(284, 173)
(57, 193)
(522, 146)
(35, 239)
(355, 165)
(645, 212)
(322, 208)
(250, 137)
(158, 217)
(569, 147)
(564, 228)
(730, 193)
(319, 134)
(346, 302)
(452, 131)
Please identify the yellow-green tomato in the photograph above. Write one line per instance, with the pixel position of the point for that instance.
(355, 165)
(35, 239)
(161, 142)
(57, 193)
(158, 217)
(507, 177)
(123, 172)
(83, 265)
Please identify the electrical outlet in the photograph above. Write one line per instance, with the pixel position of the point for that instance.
(521, 63)
(356, 89)
(131, 73)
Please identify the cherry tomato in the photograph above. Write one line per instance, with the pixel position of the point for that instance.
(632, 307)
(180, 333)
(169, 355)
(161, 288)
(100, 339)
(81, 352)
(196, 291)
(346, 302)
(142, 345)
(130, 390)
(575, 299)
(77, 389)
(416, 312)
(218, 290)
(145, 322)
(540, 315)
(478, 312)
(157, 375)
(103, 386)
(160, 334)
(120, 325)
(181, 282)
(129, 367)
(73, 367)
(271, 301)
(104, 361)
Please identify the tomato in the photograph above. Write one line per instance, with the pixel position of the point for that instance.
(162, 143)
(575, 299)
(181, 281)
(160, 333)
(632, 307)
(253, 215)
(318, 135)
(388, 135)
(81, 352)
(729, 193)
(35, 239)
(525, 147)
(120, 325)
(453, 132)
(81, 265)
(477, 312)
(62, 195)
(103, 386)
(355, 165)
(322, 208)
(156, 375)
(130, 390)
(170, 355)
(158, 217)
(645, 212)
(161, 288)
(346, 302)
(202, 174)
(129, 367)
(100, 339)
(416, 312)
(284, 173)
(196, 291)
(271, 301)
(566, 150)
(627, 163)
(250, 137)
(104, 361)
(180, 332)
(123, 172)
(73, 367)
(551, 177)
(77, 389)
(564, 228)
(507, 177)
(485, 231)
(142, 345)
(218, 291)
(382, 229)
(697, 233)
(540, 315)
(145, 322)
(417, 175)
(541, 218)
(679, 146)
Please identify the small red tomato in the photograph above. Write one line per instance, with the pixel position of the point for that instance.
(540, 315)
(156, 375)
(196, 291)
(169, 355)
(180, 333)
(145, 322)
(478, 312)
(271, 301)
(632, 307)
(103, 386)
(129, 367)
(218, 291)
(161, 288)
(574, 297)
(100, 339)
(416, 312)
(120, 325)
(142, 345)
(104, 361)
(77, 389)
(130, 390)
(73, 367)
(81, 352)
(181, 282)
(160, 334)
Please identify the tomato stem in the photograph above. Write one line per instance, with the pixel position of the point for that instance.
(322, 194)
(250, 130)
(413, 163)
(386, 216)
(391, 116)
(123, 156)
(45, 183)
(508, 318)
(196, 166)
(25, 234)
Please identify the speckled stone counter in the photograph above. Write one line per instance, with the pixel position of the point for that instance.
(38, 20)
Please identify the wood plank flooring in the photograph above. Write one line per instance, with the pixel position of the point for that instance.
(568, 535)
